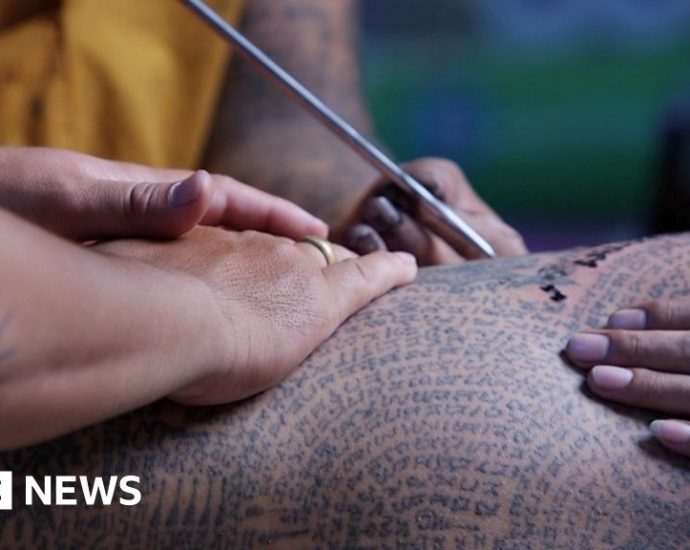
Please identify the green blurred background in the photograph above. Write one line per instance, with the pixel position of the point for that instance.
(557, 110)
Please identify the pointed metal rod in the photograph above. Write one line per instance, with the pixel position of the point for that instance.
(432, 212)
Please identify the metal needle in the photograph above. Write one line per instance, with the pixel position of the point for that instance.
(433, 213)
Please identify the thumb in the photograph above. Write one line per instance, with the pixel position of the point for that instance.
(155, 210)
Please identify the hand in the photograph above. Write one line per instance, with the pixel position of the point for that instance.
(642, 359)
(383, 220)
(274, 299)
(84, 198)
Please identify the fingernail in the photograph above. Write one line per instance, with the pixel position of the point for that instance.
(381, 214)
(587, 347)
(406, 257)
(611, 378)
(628, 319)
(362, 239)
(185, 192)
(670, 431)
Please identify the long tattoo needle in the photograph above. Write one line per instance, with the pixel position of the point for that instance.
(432, 212)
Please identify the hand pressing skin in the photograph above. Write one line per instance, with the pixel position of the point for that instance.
(384, 219)
(276, 298)
(642, 359)
(211, 316)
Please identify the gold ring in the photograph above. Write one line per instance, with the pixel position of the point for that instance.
(324, 246)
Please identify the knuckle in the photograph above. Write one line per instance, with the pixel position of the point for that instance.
(509, 240)
(662, 312)
(282, 251)
(450, 173)
(629, 345)
(281, 245)
(656, 310)
(508, 233)
(453, 168)
(516, 241)
(445, 173)
(646, 385)
(139, 201)
(358, 278)
(684, 345)
(440, 164)
(278, 252)
(360, 273)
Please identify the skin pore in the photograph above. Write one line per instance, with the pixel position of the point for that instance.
(442, 415)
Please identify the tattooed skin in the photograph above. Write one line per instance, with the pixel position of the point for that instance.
(440, 416)
(263, 138)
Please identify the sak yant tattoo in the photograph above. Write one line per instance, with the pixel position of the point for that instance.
(440, 416)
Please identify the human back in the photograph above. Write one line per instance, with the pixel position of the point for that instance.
(442, 415)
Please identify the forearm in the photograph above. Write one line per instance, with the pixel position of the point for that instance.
(84, 337)
(263, 138)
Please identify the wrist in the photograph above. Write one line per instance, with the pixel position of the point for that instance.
(204, 346)
(181, 332)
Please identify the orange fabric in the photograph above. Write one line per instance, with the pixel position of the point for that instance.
(134, 80)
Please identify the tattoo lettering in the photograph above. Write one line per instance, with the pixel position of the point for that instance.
(593, 258)
(440, 416)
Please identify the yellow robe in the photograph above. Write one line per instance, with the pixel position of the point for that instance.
(135, 80)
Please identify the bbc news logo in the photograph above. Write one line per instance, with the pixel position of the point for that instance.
(72, 490)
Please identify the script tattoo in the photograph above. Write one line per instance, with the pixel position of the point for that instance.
(440, 416)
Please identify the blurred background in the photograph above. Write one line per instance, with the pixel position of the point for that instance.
(571, 117)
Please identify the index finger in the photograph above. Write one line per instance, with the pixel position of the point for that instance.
(240, 206)
(656, 315)
(452, 184)
(447, 180)
(654, 349)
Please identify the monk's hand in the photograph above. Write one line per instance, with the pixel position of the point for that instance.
(384, 218)
(642, 359)
(86, 198)
(271, 300)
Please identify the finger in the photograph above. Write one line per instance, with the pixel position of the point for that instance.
(241, 207)
(644, 388)
(504, 239)
(673, 434)
(142, 209)
(363, 239)
(395, 227)
(447, 180)
(402, 233)
(318, 258)
(655, 315)
(654, 349)
(411, 236)
(356, 282)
